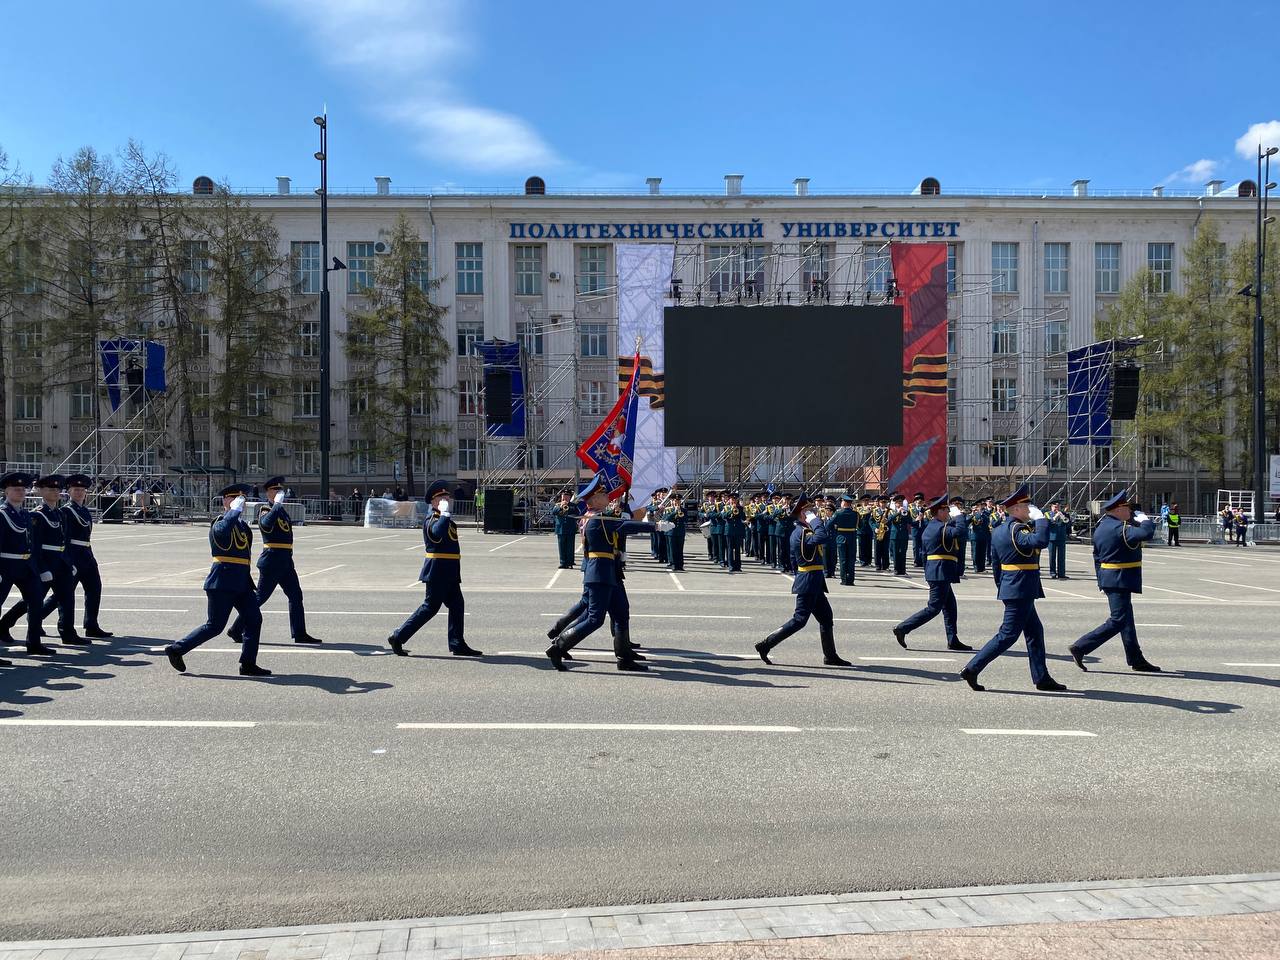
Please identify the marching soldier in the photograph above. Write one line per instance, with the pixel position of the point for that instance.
(809, 586)
(995, 517)
(866, 530)
(828, 515)
(1017, 545)
(17, 565)
(565, 517)
(846, 531)
(674, 514)
(442, 574)
(53, 563)
(77, 521)
(880, 523)
(943, 541)
(704, 522)
(1059, 527)
(734, 530)
(958, 502)
(1117, 557)
(771, 527)
(275, 564)
(657, 542)
(980, 534)
(899, 536)
(228, 586)
(919, 520)
(785, 526)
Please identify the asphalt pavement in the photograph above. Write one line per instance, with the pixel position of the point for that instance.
(355, 785)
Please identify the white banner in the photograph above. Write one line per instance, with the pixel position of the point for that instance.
(644, 277)
(1275, 476)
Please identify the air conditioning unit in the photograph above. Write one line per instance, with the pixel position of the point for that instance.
(282, 451)
(554, 276)
(381, 248)
(162, 324)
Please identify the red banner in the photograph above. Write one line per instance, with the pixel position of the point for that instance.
(920, 464)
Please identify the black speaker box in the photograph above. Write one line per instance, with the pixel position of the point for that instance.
(497, 397)
(498, 506)
(1124, 393)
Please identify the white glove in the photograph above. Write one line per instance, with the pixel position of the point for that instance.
(810, 517)
(279, 497)
(1140, 516)
(236, 505)
(956, 511)
(665, 526)
(444, 508)
(1035, 513)
(74, 572)
(46, 577)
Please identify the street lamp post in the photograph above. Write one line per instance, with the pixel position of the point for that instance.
(1260, 471)
(327, 266)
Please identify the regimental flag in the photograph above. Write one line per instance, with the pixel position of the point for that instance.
(611, 448)
(927, 376)
(648, 384)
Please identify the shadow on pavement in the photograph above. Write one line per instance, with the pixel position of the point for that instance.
(67, 669)
(1209, 707)
(329, 684)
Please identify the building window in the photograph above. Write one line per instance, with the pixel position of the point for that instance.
(816, 272)
(359, 265)
(28, 402)
(139, 261)
(470, 332)
(539, 456)
(256, 402)
(305, 258)
(306, 462)
(30, 454)
(420, 459)
(27, 337)
(594, 339)
(1057, 263)
(420, 269)
(200, 339)
(528, 270)
(470, 268)
(1003, 451)
(951, 394)
(877, 266)
(140, 455)
(594, 397)
(723, 269)
(309, 338)
(1056, 390)
(529, 333)
(470, 400)
(1004, 394)
(593, 263)
(1160, 263)
(195, 266)
(82, 400)
(359, 397)
(1004, 267)
(1004, 337)
(420, 407)
(253, 456)
(25, 263)
(951, 337)
(1055, 454)
(1157, 453)
(198, 453)
(200, 398)
(953, 267)
(1055, 336)
(362, 457)
(1106, 267)
(753, 260)
(951, 455)
(306, 398)
(468, 453)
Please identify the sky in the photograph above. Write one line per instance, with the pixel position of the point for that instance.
(480, 94)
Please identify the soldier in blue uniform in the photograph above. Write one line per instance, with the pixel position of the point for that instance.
(807, 544)
(1017, 545)
(880, 530)
(980, 534)
(1117, 558)
(846, 540)
(442, 574)
(17, 564)
(943, 542)
(866, 532)
(1059, 527)
(565, 515)
(770, 527)
(785, 527)
(53, 563)
(229, 586)
(657, 542)
(958, 502)
(735, 528)
(919, 520)
(828, 515)
(601, 579)
(995, 517)
(674, 514)
(275, 564)
(899, 536)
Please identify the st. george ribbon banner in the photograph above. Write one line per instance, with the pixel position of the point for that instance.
(644, 277)
(610, 450)
(920, 463)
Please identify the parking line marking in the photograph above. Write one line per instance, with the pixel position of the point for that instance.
(554, 577)
(914, 659)
(1198, 596)
(676, 581)
(1027, 733)
(34, 722)
(1249, 585)
(303, 576)
(648, 727)
(263, 648)
(348, 543)
(1229, 664)
(678, 616)
(507, 544)
(865, 620)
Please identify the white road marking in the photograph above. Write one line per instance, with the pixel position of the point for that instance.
(1249, 585)
(913, 659)
(204, 569)
(679, 616)
(554, 577)
(33, 722)
(143, 610)
(158, 543)
(264, 648)
(864, 620)
(1145, 625)
(303, 576)
(1028, 733)
(676, 581)
(1198, 596)
(1251, 664)
(654, 727)
(347, 613)
(348, 543)
(1066, 593)
(415, 546)
(507, 544)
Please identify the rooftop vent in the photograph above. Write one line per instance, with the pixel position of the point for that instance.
(202, 186)
(655, 184)
(732, 184)
(802, 186)
(929, 187)
(1080, 188)
(1246, 188)
(535, 187)
(1213, 188)
(384, 185)
(282, 185)
(1157, 191)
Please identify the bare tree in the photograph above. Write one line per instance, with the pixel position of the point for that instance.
(15, 279)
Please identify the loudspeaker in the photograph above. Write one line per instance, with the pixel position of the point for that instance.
(1124, 393)
(497, 397)
(498, 506)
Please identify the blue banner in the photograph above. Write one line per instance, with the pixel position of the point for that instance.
(504, 356)
(150, 359)
(1089, 394)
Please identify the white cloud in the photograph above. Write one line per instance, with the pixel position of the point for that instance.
(1197, 172)
(1267, 134)
(402, 53)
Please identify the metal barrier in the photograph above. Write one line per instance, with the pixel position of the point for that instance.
(394, 514)
(252, 508)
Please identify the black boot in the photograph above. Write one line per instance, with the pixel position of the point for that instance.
(1078, 657)
(462, 650)
(558, 627)
(1145, 666)
(957, 645)
(623, 649)
(971, 678)
(769, 642)
(253, 670)
(1050, 685)
(97, 633)
(829, 655)
(901, 636)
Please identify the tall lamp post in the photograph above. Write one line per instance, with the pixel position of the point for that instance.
(328, 266)
(1260, 466)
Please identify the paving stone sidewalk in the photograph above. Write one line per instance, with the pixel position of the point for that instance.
(725, 922)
